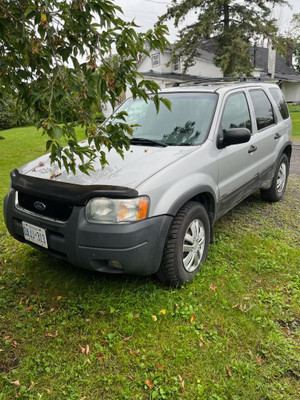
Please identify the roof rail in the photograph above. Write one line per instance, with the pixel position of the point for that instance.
(214, 80)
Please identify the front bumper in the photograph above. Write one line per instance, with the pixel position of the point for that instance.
(136, 247)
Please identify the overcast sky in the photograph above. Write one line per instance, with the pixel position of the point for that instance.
(146, 12)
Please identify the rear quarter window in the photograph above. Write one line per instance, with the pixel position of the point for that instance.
(264, 113)
(280, 101)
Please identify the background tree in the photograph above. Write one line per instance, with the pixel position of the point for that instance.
(53, 57)
(10, 115)
(232, 24)
(288, 44)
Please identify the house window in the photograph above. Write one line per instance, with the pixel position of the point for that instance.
(155, 60)
(176, 64)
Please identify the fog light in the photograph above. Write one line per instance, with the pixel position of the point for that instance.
(115, 264)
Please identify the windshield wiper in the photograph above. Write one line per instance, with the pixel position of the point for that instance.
(178, 144)
(148, 142)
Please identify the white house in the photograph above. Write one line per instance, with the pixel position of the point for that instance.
(268, 65)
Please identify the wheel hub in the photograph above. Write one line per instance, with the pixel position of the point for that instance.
(193, 245)
(281, 177)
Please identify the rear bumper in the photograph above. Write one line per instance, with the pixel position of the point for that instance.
(136, 247)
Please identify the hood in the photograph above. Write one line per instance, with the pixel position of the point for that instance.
(138, 165)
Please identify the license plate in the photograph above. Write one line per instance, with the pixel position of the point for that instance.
(35, 234)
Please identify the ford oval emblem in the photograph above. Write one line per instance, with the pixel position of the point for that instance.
(39, 205)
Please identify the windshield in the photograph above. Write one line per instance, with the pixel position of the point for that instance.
(187, 124)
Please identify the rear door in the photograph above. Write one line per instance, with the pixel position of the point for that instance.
(268, 131)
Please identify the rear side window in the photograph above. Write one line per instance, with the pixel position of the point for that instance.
(280, 101)
(263, 109)
(236, 113)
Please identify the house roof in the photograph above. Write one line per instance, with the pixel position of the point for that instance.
(259, 57)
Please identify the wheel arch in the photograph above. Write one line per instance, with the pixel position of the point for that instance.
(288, 151)
(204, 195)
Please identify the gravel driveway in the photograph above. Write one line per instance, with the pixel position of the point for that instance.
(295, 161)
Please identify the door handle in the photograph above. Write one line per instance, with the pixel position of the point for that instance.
(252, 149)
(277, 136)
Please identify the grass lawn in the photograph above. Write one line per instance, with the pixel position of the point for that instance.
(295, 115)
(233, 333)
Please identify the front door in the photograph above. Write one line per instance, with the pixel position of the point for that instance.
(237, 163)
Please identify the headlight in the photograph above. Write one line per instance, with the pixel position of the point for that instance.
(111, 211)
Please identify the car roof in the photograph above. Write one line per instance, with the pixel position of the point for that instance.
(216, 87)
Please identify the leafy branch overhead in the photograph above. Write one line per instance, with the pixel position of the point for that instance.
(231, 23)
(54, 58)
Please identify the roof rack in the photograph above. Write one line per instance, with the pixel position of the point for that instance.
(217, 80)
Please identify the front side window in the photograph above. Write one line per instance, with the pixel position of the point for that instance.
(187, 124)
(155, 58)
(280, 101)
(263, 109)
(236, 113)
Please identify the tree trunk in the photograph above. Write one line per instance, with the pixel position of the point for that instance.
(226, 15)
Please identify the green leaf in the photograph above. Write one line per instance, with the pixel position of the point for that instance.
(58, 132)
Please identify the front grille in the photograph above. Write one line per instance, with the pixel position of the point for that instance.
(56, 210)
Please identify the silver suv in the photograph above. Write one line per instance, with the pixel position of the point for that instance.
(154, 211)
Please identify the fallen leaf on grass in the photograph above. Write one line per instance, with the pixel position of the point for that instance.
(101, 312)
(48, 391)
(159, 366)
(182, 383)
(100, 357)
(228, 371)
(189, 375)
(87, 349)
(16, 383)
(149, 383)
(193, 317)
(131, 378)
(259, 361)
(127, 339)
(244, 308)
(235, 305)
(14, 344)
(31, 386)
(246, 298)
(54, 175)
(48, 334)
(136, 315)
(88, 361)
(213, 288)
(82, 349)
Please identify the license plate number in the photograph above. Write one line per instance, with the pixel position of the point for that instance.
(35, 234)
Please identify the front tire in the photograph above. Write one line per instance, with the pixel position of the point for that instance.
(186, 246)
(277, 189)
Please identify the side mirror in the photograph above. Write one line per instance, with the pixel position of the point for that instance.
(233, 136)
